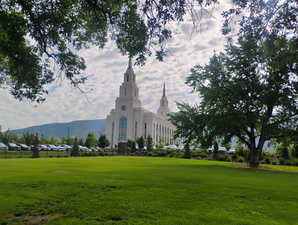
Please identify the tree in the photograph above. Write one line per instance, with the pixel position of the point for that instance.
(187, 151)
(215, 150)
(75, 149)
(250, 90)
(35, 35)
(103, 141)
(149, 143)
(80, 141)
(283, 151)
(131, 145)
(28, 138)
(141, 143)
(35, 150)
(91, 140)
(295, 150)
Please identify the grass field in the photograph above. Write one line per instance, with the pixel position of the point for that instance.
(144, 190)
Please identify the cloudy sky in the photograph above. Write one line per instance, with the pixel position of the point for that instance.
(64, 103)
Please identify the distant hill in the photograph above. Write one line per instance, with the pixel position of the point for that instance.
(79, 128)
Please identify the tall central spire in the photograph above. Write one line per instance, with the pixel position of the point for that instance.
(129, 63)
(164, 90)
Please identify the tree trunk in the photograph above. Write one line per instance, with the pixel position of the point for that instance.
(254, 158)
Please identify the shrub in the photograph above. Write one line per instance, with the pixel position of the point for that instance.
(199, 154)
(240, 159)
(281, 162)
(223, 157)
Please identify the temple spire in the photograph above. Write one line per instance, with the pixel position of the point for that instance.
(164, 90)
(129, 63)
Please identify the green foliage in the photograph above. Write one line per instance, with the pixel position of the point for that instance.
(91, 140)
(57, 28)
(35, 150)
(283, 151)
(295, 151)
(149, 143)
(122, 148)
(131, 145)
(250, 90)
(187, 151)
(75, 151)
(141, 142)
(103, 141)
(202, 154)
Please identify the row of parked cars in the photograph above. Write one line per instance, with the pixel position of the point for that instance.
(46, 147)
(13, 146)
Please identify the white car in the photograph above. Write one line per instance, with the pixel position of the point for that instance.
(232, 151)
(13, 146)
(170, 147)
(24, 147)
(222, 149)
(3, 147)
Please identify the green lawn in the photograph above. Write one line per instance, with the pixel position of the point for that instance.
(144, 190)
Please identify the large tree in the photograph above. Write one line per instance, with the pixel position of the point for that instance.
(250, 90)
(39, 39)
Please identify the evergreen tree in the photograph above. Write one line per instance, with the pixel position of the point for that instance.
(35, 150)
(149, 143)
(103, 141)
(141, 143)
(131, 145)
(187, 151)
(81, 142)
(75, 149)
(90, 140)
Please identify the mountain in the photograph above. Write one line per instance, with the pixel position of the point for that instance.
(79, 128)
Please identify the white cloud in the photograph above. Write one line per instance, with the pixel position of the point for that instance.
(106, 67)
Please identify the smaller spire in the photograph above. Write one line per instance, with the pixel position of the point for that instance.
(164, 90)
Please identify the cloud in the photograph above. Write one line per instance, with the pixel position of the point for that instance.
(106, 67)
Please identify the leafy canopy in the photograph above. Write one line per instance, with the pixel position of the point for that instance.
(250, 90)
(39, 39)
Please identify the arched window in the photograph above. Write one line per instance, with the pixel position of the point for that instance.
(122, 129)
(127, 77)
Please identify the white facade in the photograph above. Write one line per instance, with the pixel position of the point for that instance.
(129, 121)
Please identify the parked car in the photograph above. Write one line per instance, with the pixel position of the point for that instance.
(231, 151)
(3, 147)
(24, 147)
(84, 149)
(222, 149)
(66, 147)
(53, 147)
(170, 147)
(13, 146)
(43, 148)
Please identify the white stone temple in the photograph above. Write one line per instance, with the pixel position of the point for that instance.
(129, 121)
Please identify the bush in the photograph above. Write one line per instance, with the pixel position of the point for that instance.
(281, 162)
(223, 157)
(199, 154)
(240, 159)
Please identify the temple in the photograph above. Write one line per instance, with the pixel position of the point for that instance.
(129, 120)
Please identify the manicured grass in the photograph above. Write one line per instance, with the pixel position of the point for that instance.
(28, 154)
(144, 190)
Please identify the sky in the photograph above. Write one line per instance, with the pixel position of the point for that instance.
(105, 69)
